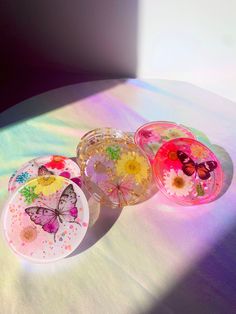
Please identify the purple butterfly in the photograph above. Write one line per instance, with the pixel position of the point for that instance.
(49, 218)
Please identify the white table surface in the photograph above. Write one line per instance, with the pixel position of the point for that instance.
(155, 257)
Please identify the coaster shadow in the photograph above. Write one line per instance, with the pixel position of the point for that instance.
(102, 218)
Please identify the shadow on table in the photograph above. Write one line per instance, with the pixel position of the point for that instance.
(208, 288)
(102, 218)
(54, 99)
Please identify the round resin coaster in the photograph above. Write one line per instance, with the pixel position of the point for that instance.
(46, 218)
(188, 172)
(114, 169)
(151, 136)
(45, 165)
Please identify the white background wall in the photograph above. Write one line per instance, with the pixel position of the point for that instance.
(78, 35)
(189, 40)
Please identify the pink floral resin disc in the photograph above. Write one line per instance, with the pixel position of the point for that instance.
(46, 219)
(151, 136)
(45, 165)
(188, 172)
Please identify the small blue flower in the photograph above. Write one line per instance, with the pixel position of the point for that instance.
(23, 177)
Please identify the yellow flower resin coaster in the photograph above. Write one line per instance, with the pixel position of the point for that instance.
(113, 168)
(46, 219)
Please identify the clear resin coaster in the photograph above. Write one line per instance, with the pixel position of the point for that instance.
(45, 165)
(151, 136)
(113, 168)
(46, 219)
(188, 172)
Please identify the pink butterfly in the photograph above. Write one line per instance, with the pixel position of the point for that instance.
(49, 218)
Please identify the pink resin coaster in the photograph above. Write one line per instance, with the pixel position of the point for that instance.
(152, 135)
(45, 165)
(114, 169)
(188, 172)
(46, 219)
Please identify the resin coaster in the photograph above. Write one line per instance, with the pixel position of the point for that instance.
(188, 172)
(114, 169)
(46, 218)
(46, 165)
(151, 136)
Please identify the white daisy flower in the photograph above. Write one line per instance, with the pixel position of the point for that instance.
(177, 183)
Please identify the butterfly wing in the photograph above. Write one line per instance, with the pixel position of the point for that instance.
(43, 171)
(44, 217)
(188, 165)
(204, 169)
(67, 204)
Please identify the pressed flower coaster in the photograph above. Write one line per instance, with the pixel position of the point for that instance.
(114, 169)
(45, 165)
(188, 172)
(151, 136)
(46, 218)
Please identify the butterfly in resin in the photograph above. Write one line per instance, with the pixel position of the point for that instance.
(50, 218)
(202, 169)
(43, 171)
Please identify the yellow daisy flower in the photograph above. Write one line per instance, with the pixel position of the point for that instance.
(173, 133)
(132, 163)
(48, 185)
(198, 151)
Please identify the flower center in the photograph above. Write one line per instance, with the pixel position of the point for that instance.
(28, 234)
(132, 167)
(57, 158)
(178, 182)
(172, 155)
(45, 181)
(99, 167)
